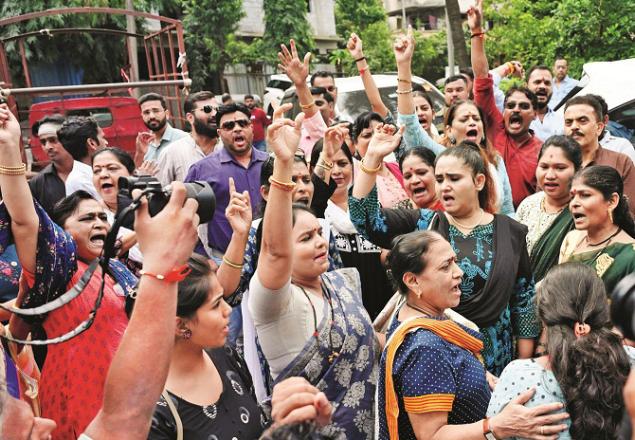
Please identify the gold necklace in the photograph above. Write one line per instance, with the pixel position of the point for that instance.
(459, 224)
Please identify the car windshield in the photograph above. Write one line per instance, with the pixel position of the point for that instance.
(279, 84)
(352, 104)
(625, 115)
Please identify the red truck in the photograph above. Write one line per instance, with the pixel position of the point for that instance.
(118, 116)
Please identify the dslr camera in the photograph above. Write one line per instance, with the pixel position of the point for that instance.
(159, 196)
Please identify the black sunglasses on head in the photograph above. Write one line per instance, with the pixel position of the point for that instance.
(229, 125)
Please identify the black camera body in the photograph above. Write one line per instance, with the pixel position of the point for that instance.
(623, 306)
(159, 196)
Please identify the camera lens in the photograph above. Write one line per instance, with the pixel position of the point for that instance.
(623, 306)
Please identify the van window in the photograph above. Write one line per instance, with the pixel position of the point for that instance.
(102, 115)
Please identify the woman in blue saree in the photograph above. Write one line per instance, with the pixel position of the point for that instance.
(310, 322)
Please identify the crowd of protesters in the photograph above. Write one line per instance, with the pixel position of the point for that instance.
(381, 278)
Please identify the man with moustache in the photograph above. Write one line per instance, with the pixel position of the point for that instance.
(48, 186)
(509, 132)
(175, 160)
(547, 122)
(455, 89)
(583, 121)
(155, 116)
(237, 159)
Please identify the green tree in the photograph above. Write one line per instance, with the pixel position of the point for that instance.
(208, 27)
(355, 16)
(535, 32)
(285, 20)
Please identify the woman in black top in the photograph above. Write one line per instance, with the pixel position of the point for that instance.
(208, 384)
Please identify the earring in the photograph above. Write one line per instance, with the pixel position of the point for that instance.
(452, 140)
(186, 334)
(610, 211)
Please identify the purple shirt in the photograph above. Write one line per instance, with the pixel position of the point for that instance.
(217, 169)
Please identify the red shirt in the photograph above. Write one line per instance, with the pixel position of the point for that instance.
(259, 121)
(521, 159)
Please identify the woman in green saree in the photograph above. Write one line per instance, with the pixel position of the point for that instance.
(603, 238)
(546, 213)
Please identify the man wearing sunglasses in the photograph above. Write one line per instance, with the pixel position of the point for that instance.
(155, 115)
(509, 132)
(237, 159)
(175, 160)
(48, 186)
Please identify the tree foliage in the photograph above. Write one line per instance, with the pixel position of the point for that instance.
(537, 31)
(208, 25)
(285, 20)
(355, 16)
(100, 56)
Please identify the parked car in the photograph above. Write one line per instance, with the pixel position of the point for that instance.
(352, 101)
(275, 91)
(118, 116)
(615, 82)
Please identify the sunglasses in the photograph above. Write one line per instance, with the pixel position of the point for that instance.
(319, 102)
(511, 105)
(229, 125)
(330, 88)
(208, 109)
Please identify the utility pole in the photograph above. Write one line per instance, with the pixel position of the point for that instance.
(450, 43)
(404, 26)
(132, 43)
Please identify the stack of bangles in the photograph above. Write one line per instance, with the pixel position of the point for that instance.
(231, 264)
(285, 186)
(404, 92)
(324, 164)
(369, 170)
(307, 106)
(13, 171)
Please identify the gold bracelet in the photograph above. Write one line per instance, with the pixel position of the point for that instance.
(286, 186)
(230, 264)
(404, 92)
(321, 165)
(369, 170)
(307, 106)
(326, 162)
(13, 171)
(407, 81)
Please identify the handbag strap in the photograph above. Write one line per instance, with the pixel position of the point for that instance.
(175, 414)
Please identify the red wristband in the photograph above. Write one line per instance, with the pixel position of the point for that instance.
(362, 71)
(177, 274)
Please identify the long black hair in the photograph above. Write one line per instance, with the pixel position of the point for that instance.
(591, 369)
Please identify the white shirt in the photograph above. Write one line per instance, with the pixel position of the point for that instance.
(81, 177)
(552, 124)
(175, 160)
(618, 144)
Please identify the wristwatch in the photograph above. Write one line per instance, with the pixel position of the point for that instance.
(487, 432)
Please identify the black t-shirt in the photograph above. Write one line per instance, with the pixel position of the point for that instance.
(47, 188)
(236, 414)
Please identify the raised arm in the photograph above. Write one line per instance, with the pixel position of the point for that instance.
(238, 214)
(16, 194)
(475, 23)
(298, 71)
(354, 47)
(274, 262)
(333, 139)
(167, 241)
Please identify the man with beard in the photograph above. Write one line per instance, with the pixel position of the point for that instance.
(155, 116)
(547, 122)
(259, 121)
(455, 89)
(583, 121)
(509, 132)
(175, 160)
(237, 159)
(81, 137)
(48, 186)
(563, 83)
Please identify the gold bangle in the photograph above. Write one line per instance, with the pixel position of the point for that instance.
(307, 106)
(286, 186)
(326, 162)
(230, 264)
(404, 92)
(13, 171)
(369, 170)
(321, 165)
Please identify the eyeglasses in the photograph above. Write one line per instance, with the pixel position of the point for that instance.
(511, 105)
(319, 102)
(208, 109)
(229, 125)
(331, 88)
